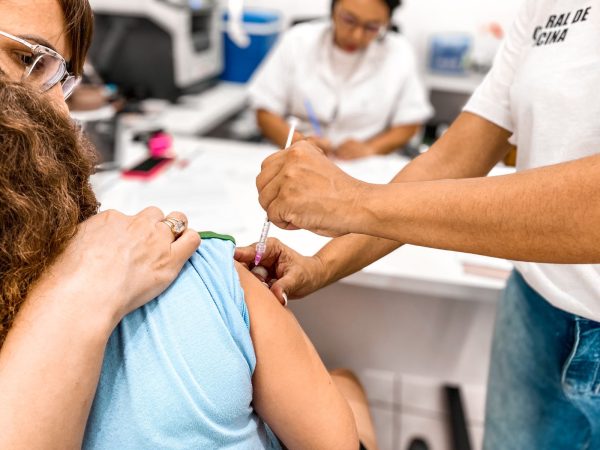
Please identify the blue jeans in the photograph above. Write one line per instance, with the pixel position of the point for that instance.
(544, 384)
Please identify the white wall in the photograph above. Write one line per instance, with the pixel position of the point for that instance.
(462, 15)
(418, 18)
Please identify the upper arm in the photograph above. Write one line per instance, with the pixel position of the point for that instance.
(293, 391)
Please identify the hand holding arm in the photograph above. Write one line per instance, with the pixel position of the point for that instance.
(51, 359)
(288, 272)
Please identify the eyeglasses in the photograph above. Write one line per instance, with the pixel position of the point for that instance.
(351, 23)
(35, 64)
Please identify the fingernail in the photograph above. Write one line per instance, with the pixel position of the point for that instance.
(285, 299)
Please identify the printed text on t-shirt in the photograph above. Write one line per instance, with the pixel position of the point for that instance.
(556, 28)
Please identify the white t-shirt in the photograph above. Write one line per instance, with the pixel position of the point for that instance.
(543, 88)
(354, 96)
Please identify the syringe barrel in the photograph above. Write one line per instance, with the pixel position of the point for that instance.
(265, 232)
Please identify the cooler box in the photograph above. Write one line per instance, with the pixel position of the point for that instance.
(263, 29)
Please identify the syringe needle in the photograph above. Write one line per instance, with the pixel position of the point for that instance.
(261, 247)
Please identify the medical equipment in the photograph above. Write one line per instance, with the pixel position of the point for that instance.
(157, 48)
(261, 247)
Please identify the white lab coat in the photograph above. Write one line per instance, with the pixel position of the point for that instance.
(383, 91)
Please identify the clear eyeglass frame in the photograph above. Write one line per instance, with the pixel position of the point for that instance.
(38, 65)
(377, 30)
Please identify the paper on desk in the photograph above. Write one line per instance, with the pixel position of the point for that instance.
(206, 202)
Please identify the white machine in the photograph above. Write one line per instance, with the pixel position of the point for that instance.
(157, 48)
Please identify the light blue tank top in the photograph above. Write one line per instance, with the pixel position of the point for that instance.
(177, 373)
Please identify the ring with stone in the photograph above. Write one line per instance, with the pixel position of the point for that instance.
(177, 226)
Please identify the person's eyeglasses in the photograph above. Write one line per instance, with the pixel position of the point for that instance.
(351, 23)
(35, 64)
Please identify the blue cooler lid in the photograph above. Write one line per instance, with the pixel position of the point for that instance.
(260, 17)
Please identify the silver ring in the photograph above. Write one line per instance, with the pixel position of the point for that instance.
(177, 226)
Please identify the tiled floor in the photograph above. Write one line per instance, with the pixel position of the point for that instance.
(417, 410)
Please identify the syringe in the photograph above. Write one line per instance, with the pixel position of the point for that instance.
(261, 247)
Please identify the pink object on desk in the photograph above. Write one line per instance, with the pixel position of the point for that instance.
(160, 144)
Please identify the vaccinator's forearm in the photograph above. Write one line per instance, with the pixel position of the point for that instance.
(546, 215)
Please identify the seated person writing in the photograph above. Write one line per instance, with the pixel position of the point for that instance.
(206, 364)
(353, 84)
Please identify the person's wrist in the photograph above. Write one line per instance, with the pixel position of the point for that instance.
(364, 214)
(321, 272)
(359, 213)
(330, 267)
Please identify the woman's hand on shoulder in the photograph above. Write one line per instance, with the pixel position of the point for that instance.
(118, 263)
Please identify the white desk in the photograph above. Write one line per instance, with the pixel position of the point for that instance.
(217, 192)
(403, 323)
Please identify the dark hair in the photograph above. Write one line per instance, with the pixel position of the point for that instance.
(391, 4)
(79, 21)
(45, 167)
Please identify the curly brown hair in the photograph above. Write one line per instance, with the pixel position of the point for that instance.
(45, 166)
